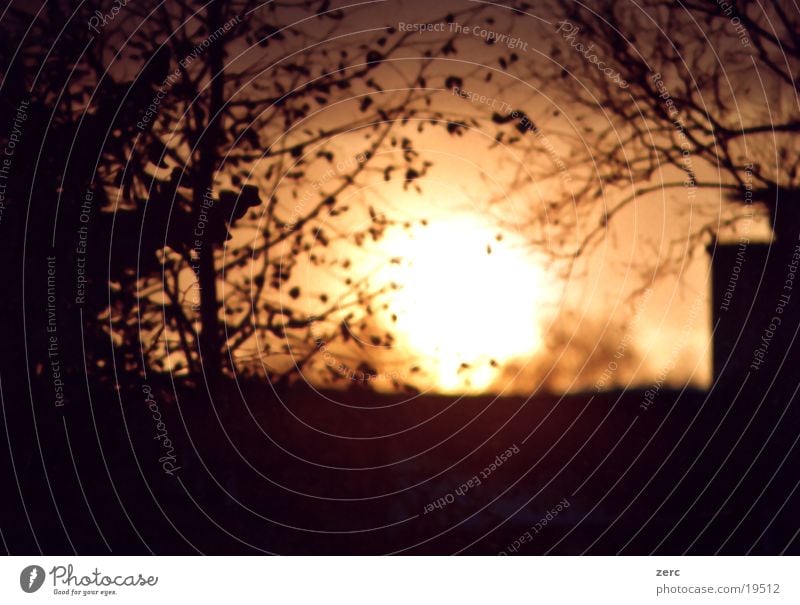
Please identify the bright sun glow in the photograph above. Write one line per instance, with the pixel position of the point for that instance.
(466, 298)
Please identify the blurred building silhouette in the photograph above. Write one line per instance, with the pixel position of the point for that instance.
(755, 312)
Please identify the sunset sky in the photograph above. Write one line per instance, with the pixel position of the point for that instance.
(480, 300)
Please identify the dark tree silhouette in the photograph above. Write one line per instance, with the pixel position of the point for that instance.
(199, 152)
(697, 101)
(685, 110)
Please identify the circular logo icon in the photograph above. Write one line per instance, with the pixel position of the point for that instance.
(31, 578)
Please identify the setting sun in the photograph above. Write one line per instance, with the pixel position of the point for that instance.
(470, 299)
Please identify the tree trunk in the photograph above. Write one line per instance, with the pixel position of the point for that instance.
(210, 329)
(208, 159)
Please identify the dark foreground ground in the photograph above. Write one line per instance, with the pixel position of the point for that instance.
(356, 473)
